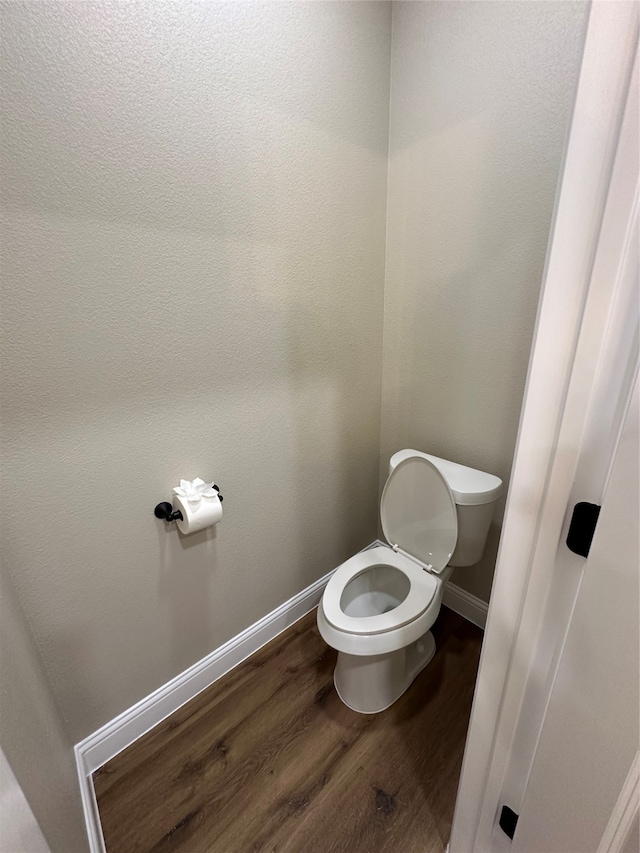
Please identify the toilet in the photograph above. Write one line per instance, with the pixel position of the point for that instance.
(379, 605)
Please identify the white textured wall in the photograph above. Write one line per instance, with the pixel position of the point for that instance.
(33, 740)
(19, 830)
(481, 96)
(193, 263)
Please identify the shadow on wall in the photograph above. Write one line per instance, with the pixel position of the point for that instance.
(478, 579)
(188, 604)
(480, 104)
(333, 338)
(31, 732)
(469, 290)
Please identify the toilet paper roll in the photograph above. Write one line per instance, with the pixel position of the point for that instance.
(196, 516)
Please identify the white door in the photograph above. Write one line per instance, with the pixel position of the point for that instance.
(556, 631)
(589, 739)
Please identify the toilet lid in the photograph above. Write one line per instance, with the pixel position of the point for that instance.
(418, 512)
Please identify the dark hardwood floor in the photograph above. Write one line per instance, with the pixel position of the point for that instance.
(269, 759)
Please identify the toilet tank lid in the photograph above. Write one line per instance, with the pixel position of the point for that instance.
(469, 486)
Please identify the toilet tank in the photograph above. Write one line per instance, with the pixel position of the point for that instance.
(475, 493)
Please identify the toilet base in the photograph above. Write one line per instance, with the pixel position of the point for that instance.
(369, 684)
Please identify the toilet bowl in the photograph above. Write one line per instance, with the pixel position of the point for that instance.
(379, 605)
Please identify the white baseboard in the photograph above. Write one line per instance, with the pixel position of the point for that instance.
(126, 728)
(462, 602)
(121, 732)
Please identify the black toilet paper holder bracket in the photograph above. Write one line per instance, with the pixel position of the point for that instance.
(166, 511)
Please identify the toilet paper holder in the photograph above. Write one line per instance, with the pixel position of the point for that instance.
(166, 511)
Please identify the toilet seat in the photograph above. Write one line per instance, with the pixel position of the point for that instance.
(422, 590)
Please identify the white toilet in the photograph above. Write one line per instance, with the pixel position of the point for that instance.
(378, 606)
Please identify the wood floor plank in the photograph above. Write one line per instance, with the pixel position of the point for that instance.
(269, 759)
(394, 773)
(238, 695)
(216, 740)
